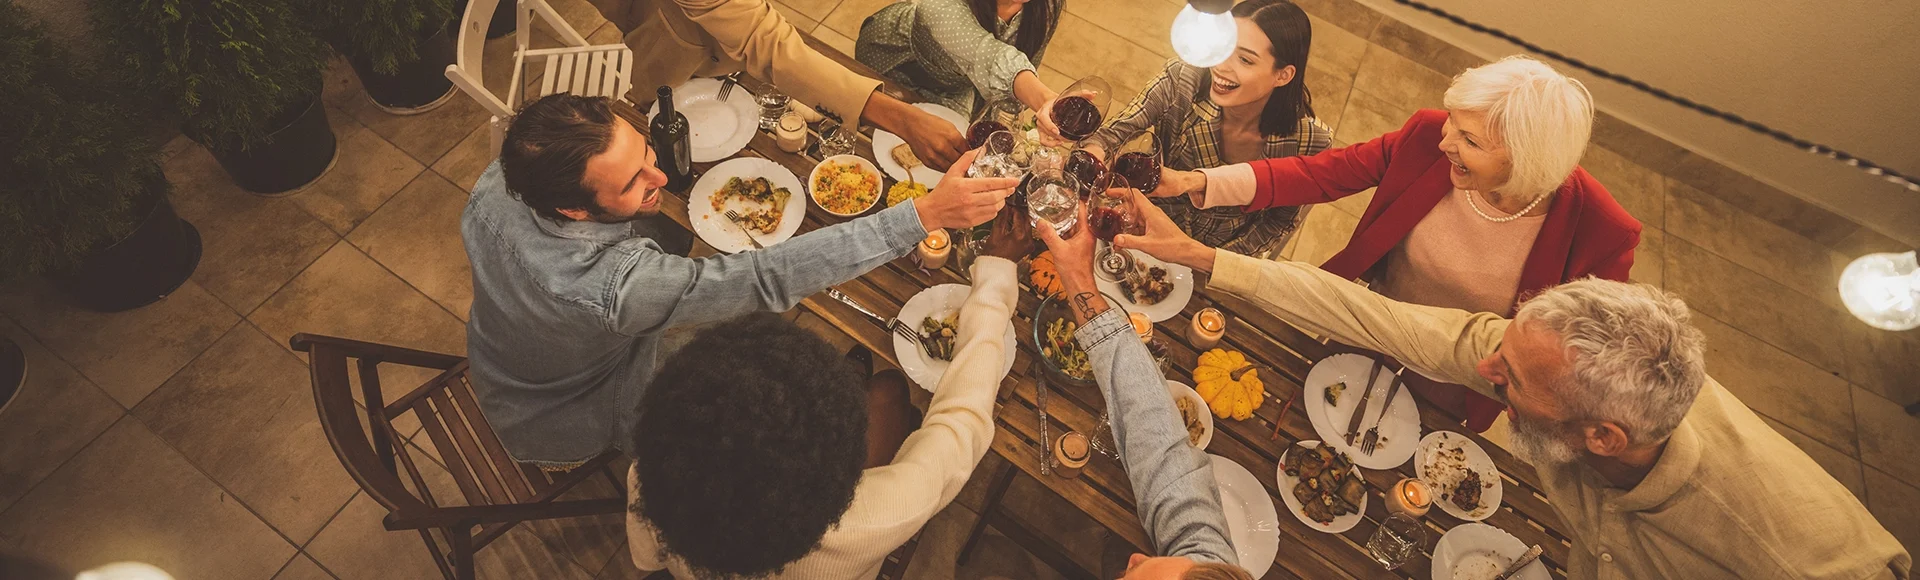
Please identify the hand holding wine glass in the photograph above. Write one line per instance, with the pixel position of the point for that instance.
(1163, 239)
(1077, 112)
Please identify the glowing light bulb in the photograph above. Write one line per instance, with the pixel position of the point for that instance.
(1883, 290)
(125, 571)
(1203, 38)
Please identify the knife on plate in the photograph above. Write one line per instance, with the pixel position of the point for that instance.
(1532, 554)
(1360, 413)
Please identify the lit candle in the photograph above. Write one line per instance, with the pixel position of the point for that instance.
(1141, 325)
(1071, 452)
(1411, 497)
(791, 134)
(1207, 328)
(933, 250)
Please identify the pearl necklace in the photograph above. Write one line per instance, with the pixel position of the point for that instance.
(1502, 220)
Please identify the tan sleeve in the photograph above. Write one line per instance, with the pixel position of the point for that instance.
(1442, 343)
(752, 33)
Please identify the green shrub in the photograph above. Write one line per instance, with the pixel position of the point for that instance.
(229, 67)
(384, 32)
(74, 157)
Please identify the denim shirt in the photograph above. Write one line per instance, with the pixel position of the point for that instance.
(567, 316)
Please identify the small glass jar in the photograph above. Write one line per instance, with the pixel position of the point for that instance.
(791, 134)
(773, 106)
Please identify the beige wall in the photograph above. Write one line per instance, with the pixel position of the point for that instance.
(1846, 74)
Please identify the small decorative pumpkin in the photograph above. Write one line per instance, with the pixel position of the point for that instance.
(1044, 276)
(1229, 384)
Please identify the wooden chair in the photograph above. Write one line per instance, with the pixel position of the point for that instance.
(498, 492)
(579, 68)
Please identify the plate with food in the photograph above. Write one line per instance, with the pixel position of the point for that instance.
(845, 185)
(1322, 487)
(1193, 414)
(1155, 288)
(1481, 552)
(764, 194)
(1465, 482)
(716, 129)
(1333, 391)
(895, 156)
(935, 314)
(1252, 523)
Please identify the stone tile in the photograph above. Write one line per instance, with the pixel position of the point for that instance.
(347, 294)
(1843, 468)
(129, 497)
(174, 146)
(1650, 258)
(620, 567)
(1760, 199)
(496, 67)
(342, 89)
(1082, 49)
(590, 541)
(366, 172)
(1351, 15)
(1328, 90)
(1742, 238)
(1892, 502)
(56, 413)
(1887, 363)
(1355, 205)
(938, 553)
(1340, 48)
(835, 40)
(250, 245)
(1367, 116)
(1054, 78)
(302, 568)
(127, 354)
(814, 9)
(429, 135)
(1751, 302)
(846, 18)
(1641, 191)
(467, 160)
(1144, 22)
(355, 546)
(417, 236)
(581, 14)
(243, 413)
(1323, 234)
(1399, 81)
(1422, 48)
(1888, 436)
(795, 17)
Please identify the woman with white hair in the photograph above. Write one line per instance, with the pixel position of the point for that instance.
(1475, 207)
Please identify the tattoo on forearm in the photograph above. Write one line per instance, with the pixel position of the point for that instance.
(1084, 301)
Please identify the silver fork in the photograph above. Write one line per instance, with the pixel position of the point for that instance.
(1371, 440)
(907, 331)
(734, 217)
(903, 329)
(726, 85)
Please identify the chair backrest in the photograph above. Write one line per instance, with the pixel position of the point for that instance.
(466, 70)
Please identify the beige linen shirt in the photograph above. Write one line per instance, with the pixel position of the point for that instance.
(893, 501)
(1729, 498)
(675, 40)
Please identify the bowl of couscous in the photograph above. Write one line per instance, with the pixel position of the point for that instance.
(845, 185)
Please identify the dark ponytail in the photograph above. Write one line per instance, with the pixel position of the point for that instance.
(1036, 23)
(1291, 33)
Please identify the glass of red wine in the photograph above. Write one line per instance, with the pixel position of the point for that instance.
(978, 132)
(1111, 212)
(1141, 165)
(1079, 109)
(1085, 167)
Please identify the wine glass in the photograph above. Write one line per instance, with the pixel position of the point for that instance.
(1079, 109)
(1084, 167)
(994, 158)
(1110, 212)
(1054, 196)
(1140, 161)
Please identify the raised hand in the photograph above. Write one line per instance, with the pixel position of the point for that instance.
(1012, 236)
(1072, 256)
(963, 202)
(1163, 239)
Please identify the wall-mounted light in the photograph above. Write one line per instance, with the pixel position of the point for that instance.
(1883, 290)
(1204, 33)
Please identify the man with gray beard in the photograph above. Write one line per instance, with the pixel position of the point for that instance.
(1657, 470)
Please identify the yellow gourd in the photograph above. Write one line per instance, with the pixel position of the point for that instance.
(1045, 279)
(1228, 383)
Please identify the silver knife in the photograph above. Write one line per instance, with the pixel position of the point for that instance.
(1359, 413)
(844, 299)
(1393, 388)
(1532, 554)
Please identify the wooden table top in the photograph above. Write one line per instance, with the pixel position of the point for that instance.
(1283, 353)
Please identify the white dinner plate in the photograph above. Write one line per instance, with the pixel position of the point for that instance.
(1480, 552)
(716, 129)
(1252, 523)
(1399, 428)
(884, 142)
(938, 300)
(1181, 276)
(1431, 448)
(1339, 524)
(1178, 389)
(713, 227)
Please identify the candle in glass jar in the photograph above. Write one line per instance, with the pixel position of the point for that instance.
(1411, 497)
(1071, 452)
(933, 251)
(1208, 326)
(1141, 325)
(791, 134)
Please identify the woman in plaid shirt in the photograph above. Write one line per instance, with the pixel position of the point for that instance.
(1253, 106)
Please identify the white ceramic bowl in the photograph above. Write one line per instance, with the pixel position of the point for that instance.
(879, 187)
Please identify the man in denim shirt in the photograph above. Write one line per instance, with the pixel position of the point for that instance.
(571, 295)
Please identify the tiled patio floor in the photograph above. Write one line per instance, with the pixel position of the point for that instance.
(183, 434)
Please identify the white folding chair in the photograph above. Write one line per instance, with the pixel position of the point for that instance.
(579, 68)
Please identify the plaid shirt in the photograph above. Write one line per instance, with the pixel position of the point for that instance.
(1176, 105)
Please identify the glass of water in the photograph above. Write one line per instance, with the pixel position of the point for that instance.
(1397, 540)
(995, 158)
(1054, 196)
(773, 104)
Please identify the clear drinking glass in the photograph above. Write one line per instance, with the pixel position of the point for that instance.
(1397, 540)
(996, 158)
(835, 139)
(1054, 196)
(773, 104)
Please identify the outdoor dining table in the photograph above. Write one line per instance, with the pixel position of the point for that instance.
(1284, 354)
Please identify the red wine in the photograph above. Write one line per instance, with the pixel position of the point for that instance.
(1141, 168)
(1084, 168)
(1107, 222)
(1076, 117)
(672, 143)
(977, 132)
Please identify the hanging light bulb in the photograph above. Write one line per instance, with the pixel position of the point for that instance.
(1883, 290)
(1204, 33)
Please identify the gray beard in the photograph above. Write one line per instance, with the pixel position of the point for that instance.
(1538, 444)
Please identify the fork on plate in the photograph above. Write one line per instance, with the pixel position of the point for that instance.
(1371, 440)
(907, 331)
(734, 216)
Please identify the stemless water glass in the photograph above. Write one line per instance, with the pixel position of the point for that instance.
(773, 104)
(1054, 196)
(1078, 111)
(996, 158)
(1397, 540)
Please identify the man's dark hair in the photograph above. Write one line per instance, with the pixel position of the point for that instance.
(748, 446)
(547, 147)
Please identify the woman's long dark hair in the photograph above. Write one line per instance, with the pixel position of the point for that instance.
(1036, 23)
(1291, 33)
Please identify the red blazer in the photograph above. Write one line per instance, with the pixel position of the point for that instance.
(1586, 232)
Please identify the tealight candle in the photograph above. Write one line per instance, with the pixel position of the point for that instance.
(933, 251)
(1207, 328)
(1411, 497)
(1071, 451)
(1141, 325)
(791, 134)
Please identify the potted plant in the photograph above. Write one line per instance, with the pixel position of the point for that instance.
(399, 48)
(83, 200)
(243, 74)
